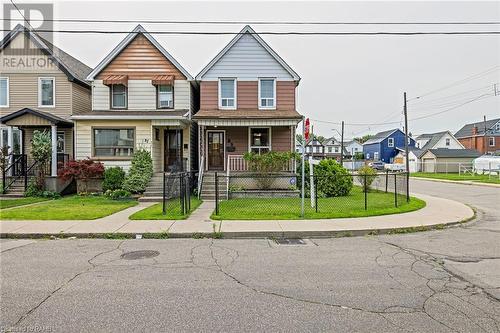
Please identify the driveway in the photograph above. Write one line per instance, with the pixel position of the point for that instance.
(438, 281)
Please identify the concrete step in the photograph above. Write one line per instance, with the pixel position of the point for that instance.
(12, 195)
(150, 199)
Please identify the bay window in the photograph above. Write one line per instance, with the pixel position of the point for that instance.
(118, 96)
(267, 93)
(113, 142)
(46, 92)
(165, 96)
(227, 93)
(4, 92)
(260, 139)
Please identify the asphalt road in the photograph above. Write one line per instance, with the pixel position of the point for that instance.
(440, 281)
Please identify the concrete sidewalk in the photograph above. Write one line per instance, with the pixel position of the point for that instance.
(462, 182)
(438, 211)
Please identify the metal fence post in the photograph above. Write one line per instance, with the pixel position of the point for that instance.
(365, 191)
(25, 170)
(395, 191)
(164, 206)
(216, 194)
(407, 187)
(181, 194)
(386, 179)
(316, 193)
(188, 191)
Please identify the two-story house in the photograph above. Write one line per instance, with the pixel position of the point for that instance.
(384, 146)
(333, 148)
(482, 136)
(41, 86)
(142, 98)
(247, 104)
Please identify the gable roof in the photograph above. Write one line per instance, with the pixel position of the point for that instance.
(75, 70)
(125, 42)
(466, 130)
(248, 30)
(331, 142)
(380, 136)
(445, 152)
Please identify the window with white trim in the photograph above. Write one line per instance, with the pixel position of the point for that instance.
(260, 139)
(4, 92)
(227, 93)
(375, 156)
(165, 96)
(267, 93)
(491, 141)
(113, 142)
(390, 142)
(118, 96)
(330, 149)
(46, 92)
(336, 149)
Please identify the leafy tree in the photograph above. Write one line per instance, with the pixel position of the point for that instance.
(299, 138)
(367, 173)
(41, 151)
(364, 138)
(140, 172)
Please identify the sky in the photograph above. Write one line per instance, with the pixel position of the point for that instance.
(357, 79)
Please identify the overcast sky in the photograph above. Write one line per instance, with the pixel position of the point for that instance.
(355, 79)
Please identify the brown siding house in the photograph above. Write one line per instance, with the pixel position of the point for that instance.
(482, 136)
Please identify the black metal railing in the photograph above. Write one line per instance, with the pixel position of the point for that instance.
(178, 188)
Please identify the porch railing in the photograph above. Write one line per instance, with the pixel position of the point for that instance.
(236, 163)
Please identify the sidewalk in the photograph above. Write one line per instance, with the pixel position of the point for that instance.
(438, 211)
(463, 182)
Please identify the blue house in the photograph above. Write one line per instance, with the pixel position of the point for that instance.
(385, 145)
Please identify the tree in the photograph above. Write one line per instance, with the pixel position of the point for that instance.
(364, 138)
(83, 171)
(140, 172)
(41, 151)
(320, 138)
(299, 138)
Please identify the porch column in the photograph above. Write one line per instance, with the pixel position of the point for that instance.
(10, 144)
(54, 150)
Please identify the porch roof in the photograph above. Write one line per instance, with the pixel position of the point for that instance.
(247, 117)
(31, 117)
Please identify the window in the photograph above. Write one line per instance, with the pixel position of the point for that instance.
(118, 96)
(336, 149)
(315, 149)
(375, 156)
(60, 142)
(16, 137)
(267, 93)
(227, 93)
(260, 140)
(447, 142)
(491, 141)
(46, 92)
(4, 92)
(113, 142)
(330, 149)
(165, 96)
(390, 142)
(497, 127)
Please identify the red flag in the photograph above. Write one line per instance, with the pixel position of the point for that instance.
(307, 129)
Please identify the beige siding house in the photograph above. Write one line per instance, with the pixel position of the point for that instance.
(142, 98)
(41, 86)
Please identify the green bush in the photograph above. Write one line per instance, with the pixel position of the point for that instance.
(333, 180)
(266, 164)
(118, 194)
(140, 172)
(369, 173)
(113, 178)
(33, 190)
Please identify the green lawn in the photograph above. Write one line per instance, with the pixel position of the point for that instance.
(379, 203)
(69, 208)
(155, 212)
(455, 176)
(7, 203)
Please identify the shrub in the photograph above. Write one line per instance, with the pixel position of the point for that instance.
(140, 172)
(333, 180)
(118, 194)
(370, 174)
(268, 163)
(33, 190)
(113, 178)
(82, 170)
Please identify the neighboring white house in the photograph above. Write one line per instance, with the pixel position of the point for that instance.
(424, 142)
(352, 147)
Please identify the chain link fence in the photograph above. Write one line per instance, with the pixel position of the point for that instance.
(246, 195)
(178, 189)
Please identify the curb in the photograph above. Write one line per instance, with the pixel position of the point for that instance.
(462, 182)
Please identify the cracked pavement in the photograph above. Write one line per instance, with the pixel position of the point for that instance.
(438, 281)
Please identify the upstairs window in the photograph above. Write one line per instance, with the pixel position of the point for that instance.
(46, 92)
(165, 96)
(118, 96)
(267, 93)
(260, 140)
(447, 143)
(390, 142)
(4, 92)
(491, 141)
(227, 93)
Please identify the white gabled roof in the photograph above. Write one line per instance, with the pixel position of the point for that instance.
(249, 30)
(138, 29)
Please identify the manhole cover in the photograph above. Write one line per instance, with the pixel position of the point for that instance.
(142, 254)
(290, 241)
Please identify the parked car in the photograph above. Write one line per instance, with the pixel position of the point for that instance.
(395, 167)
(377, 165)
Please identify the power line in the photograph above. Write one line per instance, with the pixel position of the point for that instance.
(277, 33)
(256, 22)
(425, 102)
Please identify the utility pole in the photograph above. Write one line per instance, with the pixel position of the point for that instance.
(485, 146)
(342, 145)
(407, 157)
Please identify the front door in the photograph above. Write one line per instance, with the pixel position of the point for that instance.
(215, 149)
(173, 150)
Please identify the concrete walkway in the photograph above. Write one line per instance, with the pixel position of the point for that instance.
(438, 211)
(462, 182)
